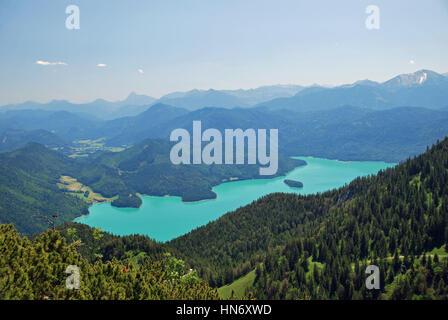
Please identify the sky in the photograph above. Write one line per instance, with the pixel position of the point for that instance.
(157, 47)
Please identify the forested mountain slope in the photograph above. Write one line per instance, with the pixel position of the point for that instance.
(28, 186)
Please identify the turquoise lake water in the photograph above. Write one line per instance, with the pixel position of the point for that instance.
(165, 218)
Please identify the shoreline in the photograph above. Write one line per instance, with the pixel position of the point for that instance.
(196, 201)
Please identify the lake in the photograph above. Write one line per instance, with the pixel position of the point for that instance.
(165, 218)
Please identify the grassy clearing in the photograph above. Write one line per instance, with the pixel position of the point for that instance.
(313, 264)
(72, 186)
(238, 286)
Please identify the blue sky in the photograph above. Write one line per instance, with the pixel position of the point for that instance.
(179, 45)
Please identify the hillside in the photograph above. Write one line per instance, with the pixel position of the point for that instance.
(28, 186)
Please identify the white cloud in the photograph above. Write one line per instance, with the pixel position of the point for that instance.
(140, 71)
(411, 61)
(47, 63)
(101, 65)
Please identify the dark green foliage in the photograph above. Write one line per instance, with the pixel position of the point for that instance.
(110, 246)
(127, 201)
(36, 270)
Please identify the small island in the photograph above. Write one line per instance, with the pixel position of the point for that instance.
(293, 183)
(127, 201)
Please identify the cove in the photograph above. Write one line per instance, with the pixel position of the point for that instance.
(165, 218)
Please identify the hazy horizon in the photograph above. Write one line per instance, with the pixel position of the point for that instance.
(204, 89)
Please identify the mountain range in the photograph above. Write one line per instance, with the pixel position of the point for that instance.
(99, 108)
(191, 100)
(423, 88)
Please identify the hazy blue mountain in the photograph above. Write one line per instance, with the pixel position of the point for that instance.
(348, 133)
(264, 93)
(344, 133)
(130, 130)
(70, 127)
(365, 82)
(66, 125)
(211, 117)
(197, 99)
(135, 99)
(14, 139)
(100, 108)
(423, 88)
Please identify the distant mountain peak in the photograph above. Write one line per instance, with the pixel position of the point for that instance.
(419, 77)
(137, 99)
(365, 82)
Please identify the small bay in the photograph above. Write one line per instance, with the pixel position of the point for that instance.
(165, 218)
